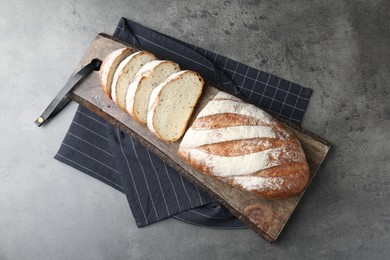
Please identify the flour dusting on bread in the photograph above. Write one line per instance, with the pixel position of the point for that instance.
(244, 146)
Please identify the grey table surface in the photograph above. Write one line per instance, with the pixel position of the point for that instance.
(338, 48)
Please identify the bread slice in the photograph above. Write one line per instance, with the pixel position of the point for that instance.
(125, 74)
(109, 66)
(172, 103)
(148, 78)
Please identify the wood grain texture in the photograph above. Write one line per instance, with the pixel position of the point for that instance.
(267, 217)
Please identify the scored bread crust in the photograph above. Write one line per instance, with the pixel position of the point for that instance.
(262, 156)
(145, 72)
(120, 71)
(114, 57)
(155, 98)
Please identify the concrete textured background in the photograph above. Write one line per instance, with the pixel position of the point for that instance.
(339, 48)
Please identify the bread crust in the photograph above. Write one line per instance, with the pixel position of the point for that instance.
(119, 73)
(130, 98)
(136, 84)
(286, 171)
(155, 98)
(104, 72)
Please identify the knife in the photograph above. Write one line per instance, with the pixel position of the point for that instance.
(62, 98)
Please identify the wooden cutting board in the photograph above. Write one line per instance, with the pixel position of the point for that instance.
(267, 217)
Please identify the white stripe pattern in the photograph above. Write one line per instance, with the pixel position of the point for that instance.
(226, 166)
(91, 144)
(132, 178)
(178, 54)
(185, 189)
(199, 137)
(92, 171)
(173, 187)
(90, 157)
(97, 121)
(259, 81)
(146, 181)
(89, 130)
(233, 107)
(258, 182)
(159, 182)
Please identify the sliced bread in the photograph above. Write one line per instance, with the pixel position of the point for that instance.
(172, 103)
(125, 74)
(109, 66)
(148, 78)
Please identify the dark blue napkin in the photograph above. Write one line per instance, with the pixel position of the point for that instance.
(153, 189)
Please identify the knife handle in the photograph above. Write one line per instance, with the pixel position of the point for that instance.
(62, 99)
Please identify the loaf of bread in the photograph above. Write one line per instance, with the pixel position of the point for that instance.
(125, 74)
(244, 146)
(110, 65)
(148, 78)
(171, 104)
